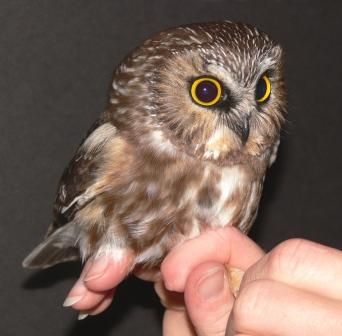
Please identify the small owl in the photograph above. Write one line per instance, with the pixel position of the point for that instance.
(192, 123)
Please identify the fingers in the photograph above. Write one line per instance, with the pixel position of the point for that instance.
(208, 299)
(176, 323)
(80, 298)
(93, 291)
(227, 245)
(301, 264)
(103, 305)
(266, 307)
(106, 272)
(170, 300)
(149, 274)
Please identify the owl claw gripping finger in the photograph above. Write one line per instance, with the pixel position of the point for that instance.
(192, 124)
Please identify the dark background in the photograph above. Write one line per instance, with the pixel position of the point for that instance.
(56, 60)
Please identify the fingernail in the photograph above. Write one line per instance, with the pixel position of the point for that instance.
(97, 269)
(71, 300)
(82, 316)
(212, 284)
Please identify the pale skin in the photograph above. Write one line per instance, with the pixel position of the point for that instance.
(295, 289)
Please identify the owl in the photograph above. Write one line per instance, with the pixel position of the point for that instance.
(192, 124)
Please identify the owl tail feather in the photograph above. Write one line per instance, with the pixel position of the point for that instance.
(58, 247)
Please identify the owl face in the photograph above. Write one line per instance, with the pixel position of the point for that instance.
(212, 90)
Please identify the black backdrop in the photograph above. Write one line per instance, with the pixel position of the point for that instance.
(56, 60)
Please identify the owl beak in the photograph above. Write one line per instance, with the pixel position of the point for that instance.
(242, 129)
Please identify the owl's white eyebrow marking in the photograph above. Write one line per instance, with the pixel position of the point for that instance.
(225, 76)
(266, 64)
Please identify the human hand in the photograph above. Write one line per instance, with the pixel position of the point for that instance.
(296, 289)
(94, 290)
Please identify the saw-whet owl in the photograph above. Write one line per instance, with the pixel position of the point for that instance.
(192, 124)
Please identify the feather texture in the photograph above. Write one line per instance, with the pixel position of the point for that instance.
(158, 168)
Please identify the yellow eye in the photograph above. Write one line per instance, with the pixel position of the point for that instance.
(263, 89)
(206, 91)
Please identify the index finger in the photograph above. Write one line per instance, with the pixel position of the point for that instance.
(227, 246)
(301, 264)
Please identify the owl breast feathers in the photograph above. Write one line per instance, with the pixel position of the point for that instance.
(192, 124)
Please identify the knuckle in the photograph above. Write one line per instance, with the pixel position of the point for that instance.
(249, 302)
(286, 257)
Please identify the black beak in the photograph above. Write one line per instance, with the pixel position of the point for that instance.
(242, 129)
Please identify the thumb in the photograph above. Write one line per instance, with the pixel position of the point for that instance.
(208, 299)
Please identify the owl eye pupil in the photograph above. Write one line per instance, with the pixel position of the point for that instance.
(206, 91)
(263, 89)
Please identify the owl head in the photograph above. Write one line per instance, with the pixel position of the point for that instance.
(214, 91)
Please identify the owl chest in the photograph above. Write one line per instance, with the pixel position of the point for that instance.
(212, 199)
(153, 212)
(207, 197)
(226, 200)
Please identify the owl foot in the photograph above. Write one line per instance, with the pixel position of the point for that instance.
(94, 290)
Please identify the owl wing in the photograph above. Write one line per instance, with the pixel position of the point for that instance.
(74, 187)
(74, 192)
